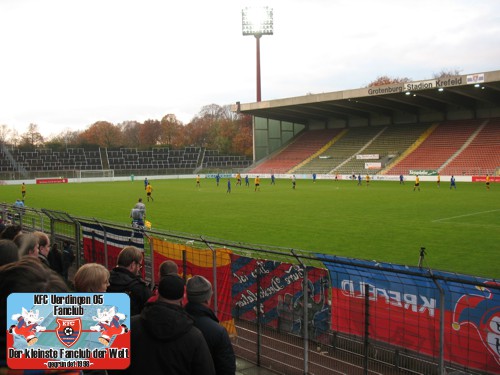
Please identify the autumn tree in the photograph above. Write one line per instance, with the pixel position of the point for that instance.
(65, 139)
(14, 138)
(172, 131)
(103, 134)
(386, 80)
(130, 133)
(32, 138)
(198, 132)
(214, 127)
(223, 132)
(4, 133)
(446, 73)
(213, 111)
(150, 133)
(242, 143)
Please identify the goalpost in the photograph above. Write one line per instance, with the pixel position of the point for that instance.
(95, 175)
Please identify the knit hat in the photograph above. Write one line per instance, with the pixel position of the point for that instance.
(198, 289)
(171, 287)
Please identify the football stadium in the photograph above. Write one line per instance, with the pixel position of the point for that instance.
(361, 237)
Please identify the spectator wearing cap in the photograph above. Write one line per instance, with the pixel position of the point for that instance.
(199, 294)
(167, 267)
(164, 339)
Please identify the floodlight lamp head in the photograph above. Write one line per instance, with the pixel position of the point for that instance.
(257, 21)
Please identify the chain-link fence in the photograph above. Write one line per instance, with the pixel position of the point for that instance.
(305, 313)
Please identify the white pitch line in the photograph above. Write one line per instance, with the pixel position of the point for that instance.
(456, 217)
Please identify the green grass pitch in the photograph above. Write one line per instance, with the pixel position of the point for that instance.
(386, 221)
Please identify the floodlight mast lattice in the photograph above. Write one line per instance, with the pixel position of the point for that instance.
(257, 22)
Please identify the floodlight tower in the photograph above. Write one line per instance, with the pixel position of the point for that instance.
(257, 22)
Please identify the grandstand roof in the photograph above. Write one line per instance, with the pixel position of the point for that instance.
(469, 92)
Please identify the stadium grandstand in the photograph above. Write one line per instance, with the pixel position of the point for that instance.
(444, 125)
(45, 162)
(449, 126)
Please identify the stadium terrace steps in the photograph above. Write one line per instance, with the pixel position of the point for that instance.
(133, 159)
(482, 154)
(341, 151)
(189, 158)
(394, 140)
(438, 147)
(46, 160)
(319, 152)
(410, 149)
(305, 145)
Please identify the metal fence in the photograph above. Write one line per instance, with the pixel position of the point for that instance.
(296, 312)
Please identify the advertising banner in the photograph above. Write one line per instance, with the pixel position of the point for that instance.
(373, 165)
(368, 156)
(483, 178)
(57, 180)
(423, 172)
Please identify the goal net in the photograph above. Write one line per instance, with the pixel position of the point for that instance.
(95, 175)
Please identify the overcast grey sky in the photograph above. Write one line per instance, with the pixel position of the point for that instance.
(66, 64)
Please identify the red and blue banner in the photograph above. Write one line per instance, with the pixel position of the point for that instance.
(274, 292)
(102, 244)
(405, 308)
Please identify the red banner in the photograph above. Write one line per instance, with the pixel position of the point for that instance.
(57, 180)
(483, 178)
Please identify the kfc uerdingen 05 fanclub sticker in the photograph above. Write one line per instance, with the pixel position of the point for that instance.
(80, 331)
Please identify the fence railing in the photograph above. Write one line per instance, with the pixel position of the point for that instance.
(297, 312)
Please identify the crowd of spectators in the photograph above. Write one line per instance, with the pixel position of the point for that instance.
(173, 329)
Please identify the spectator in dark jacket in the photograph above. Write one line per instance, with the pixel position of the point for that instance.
(199, 293)
(68, 257)
(167, 267)
(55, 258)
(125, 278)
(164, 339)
(11, 231)
(9, 252)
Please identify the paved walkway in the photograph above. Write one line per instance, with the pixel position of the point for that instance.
(244, 367)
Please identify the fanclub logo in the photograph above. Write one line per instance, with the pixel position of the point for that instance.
(68, 331)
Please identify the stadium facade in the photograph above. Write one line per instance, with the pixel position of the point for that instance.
(462, 97)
